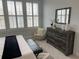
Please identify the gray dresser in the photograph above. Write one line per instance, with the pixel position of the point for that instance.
(62, 40)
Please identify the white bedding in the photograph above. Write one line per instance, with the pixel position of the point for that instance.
(2, 41)
(26, 51)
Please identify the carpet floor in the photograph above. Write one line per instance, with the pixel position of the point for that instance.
(55, 53)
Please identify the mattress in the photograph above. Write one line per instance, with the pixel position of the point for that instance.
(25, 50)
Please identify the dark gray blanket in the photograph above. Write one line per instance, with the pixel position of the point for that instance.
(11, 48)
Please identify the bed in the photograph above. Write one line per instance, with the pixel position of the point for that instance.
(15, 47)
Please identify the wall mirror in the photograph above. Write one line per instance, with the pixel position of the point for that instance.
(62, 15)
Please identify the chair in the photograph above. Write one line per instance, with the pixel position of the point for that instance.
(39, 35)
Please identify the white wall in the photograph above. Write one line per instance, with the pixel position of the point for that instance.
(49, 13)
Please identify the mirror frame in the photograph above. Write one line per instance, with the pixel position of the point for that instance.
(68, 16)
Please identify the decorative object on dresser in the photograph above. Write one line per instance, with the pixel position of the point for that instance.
(60, 39)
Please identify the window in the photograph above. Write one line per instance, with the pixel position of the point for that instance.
(15, 14)
(2, 21)
(35, 14)
(19, 12)
(11, 12)
(32, 14)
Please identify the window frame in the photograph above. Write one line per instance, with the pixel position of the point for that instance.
(16, 15)
(33, 14)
